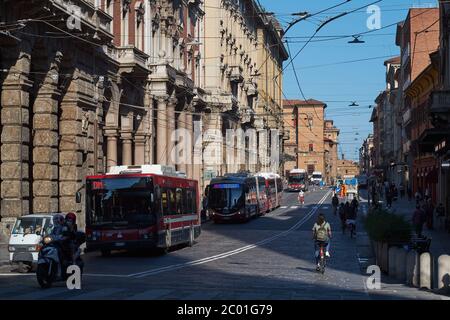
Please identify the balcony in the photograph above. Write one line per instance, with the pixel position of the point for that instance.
(235, 74)
(131, 59)
(440, 102)
(90, 17)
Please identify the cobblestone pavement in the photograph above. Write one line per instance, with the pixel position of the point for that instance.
(270, 257)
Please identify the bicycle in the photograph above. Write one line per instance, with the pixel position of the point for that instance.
(322, 257)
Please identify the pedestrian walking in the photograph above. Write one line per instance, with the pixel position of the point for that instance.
(418, 196)
(429, 212)
(427, 193)
(440, 215)
(402, 190)
(418, 220)
(409, 192)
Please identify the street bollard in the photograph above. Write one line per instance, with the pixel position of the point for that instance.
(444, 272)
(412, 268)
(384, 257)
(400, 264)
(391, 261)
(425, 271)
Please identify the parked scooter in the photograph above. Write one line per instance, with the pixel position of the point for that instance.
(51, 264)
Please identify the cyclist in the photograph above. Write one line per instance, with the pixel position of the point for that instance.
(321, 236)
(335, 203)
(351, 214)
(301, 197)
(342, 216)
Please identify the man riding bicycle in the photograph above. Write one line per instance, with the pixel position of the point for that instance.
(321, 237)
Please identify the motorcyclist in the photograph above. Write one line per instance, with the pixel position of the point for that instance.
(69, 233)
(335, 203)
(301, 197)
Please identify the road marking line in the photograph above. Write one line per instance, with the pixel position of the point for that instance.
(294, 207)
(283, 207)
(236, 251)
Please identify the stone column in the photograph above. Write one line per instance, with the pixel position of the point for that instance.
(181, 161)
(170, 129)
(126, 135)
(149, 130)
(15, 137)
(197, 143)
(190, 129)
(71, 156)
(139, 142)
(45, 150)
(111, 147)
(161, 131)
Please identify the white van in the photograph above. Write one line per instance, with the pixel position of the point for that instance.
(316, 177)
(26, 235)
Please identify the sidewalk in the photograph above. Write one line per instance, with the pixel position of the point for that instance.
(440, 239)
(391, 287)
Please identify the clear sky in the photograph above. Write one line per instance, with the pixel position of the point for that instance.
(319, 66)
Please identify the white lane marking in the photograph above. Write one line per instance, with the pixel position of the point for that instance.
(283, 207)
(12, 274)
(294, 207)
(233, 252)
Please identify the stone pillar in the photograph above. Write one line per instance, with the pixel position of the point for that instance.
(391, 261)
(161, 131)
(190, 129)
(111, 148)
(412, 269)
(45, 150)
(181, 161)
(400, 265)
(444, 273)
(127, 148)
(15, 137)
(126, 135)
(197, 143)
(71, 156)
(139, 150)
(425, 270)
(149, 132)
(170, 129)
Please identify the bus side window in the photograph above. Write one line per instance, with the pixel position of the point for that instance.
(165, 201)
(179, 201)
(172, 201)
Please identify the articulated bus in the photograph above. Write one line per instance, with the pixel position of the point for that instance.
(141, 207)
(236, 197)
(274, 189)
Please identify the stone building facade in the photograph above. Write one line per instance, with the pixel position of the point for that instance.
(109, 89)
(242, 52)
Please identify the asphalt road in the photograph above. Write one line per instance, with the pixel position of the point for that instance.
(270, 257)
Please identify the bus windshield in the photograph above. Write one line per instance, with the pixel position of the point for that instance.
(228, 196)
(296, 179)
(120, 202)
(317, 176)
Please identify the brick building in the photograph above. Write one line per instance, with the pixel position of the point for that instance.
(347, 167)
(305, 147)
(331, 136)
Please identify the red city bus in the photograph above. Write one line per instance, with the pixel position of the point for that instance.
(274, 189)
(141, 207)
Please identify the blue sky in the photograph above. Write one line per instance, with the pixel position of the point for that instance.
(340, 84)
